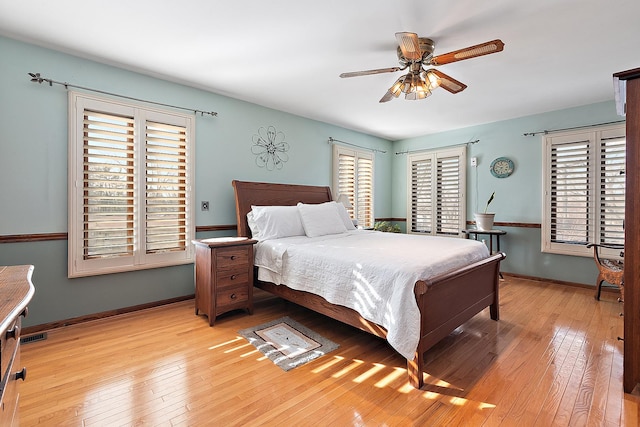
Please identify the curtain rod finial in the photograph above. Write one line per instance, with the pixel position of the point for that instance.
(35, 77)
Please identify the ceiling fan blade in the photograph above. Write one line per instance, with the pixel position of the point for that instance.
(410, 46)
(369, 72)
(448, 83)
(487, 48)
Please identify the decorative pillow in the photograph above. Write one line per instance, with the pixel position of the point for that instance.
(274, 222)
(342, 211)
(321, 219)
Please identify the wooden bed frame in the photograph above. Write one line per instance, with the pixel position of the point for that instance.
(445, 302)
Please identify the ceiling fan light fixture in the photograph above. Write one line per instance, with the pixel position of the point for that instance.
(397, 87)
(431, 79)
(395, 90)
(418, 91)
(416, 95)
(415, 86)
(408, 83)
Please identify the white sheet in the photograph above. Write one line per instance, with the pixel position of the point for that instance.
(371, 272)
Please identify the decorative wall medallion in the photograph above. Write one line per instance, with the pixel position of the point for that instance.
(270, 148)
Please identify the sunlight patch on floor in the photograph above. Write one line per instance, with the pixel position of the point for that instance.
(406, 388)
(330, 363)
(236, 339)
(231, 350)
(377, 367)
(431, 395)
(354, 364)
(483, 405)
(250, 353)
(391, 377)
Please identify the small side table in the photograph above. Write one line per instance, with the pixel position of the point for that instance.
(490, 233)
(224, 275)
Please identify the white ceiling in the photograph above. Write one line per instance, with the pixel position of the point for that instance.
(287, 54)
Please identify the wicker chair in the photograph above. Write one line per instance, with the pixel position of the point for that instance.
(610, 270)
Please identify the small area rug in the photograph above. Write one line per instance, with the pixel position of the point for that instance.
(288, 343)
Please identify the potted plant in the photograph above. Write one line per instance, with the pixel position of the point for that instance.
(484, 221)
(387, 227)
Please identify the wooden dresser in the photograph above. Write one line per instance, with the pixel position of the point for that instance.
(16, 290)
(224, 275)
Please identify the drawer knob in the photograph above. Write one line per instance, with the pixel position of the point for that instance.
(233, 257)
(233, 277)
(233, 296)
(13, 333)
(22, 375)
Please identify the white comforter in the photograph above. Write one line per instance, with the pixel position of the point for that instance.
(371, 272)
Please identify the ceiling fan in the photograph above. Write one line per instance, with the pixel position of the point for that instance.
(416, 53)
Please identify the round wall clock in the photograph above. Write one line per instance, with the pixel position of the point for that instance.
(501, 167)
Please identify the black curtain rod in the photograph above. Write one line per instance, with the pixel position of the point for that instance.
(576, 127)
(436, 148)
(37, 78)
(332, 140)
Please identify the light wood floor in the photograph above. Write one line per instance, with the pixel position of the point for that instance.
(552, 359)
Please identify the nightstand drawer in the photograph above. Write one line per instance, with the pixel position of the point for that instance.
(228, 297)
(236, 277)
(232, 257)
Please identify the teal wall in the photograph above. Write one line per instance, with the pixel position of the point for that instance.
(33, 172)
(518, 198)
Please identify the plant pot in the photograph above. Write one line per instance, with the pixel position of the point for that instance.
(484, 221)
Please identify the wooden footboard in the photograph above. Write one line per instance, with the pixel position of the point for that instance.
(448, 301)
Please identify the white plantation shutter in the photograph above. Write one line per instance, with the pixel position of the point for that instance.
(449, 196)
(108, 181)
(166, 188)
(612, 189)
(436, 202)
(364, 190)
(346, 179)
(353, 176)
(130, 179)
(421, 208)
(570, 195)
(584, 190)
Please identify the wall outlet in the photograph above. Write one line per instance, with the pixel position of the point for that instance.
(474, 161)
(204, 206)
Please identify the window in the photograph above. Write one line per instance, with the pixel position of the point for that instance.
(353, 176)
(130, 179)
(436, 203)
(584, 190)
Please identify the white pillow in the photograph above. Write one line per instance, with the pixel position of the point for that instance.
(320, 220)
(274, 222)
(346, 219)
(253, 226)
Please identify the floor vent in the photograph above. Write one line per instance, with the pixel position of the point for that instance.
(32, 338)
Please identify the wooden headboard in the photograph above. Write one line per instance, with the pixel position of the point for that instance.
(268, 194)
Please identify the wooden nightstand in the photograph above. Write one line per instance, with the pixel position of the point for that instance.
(224, 275)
